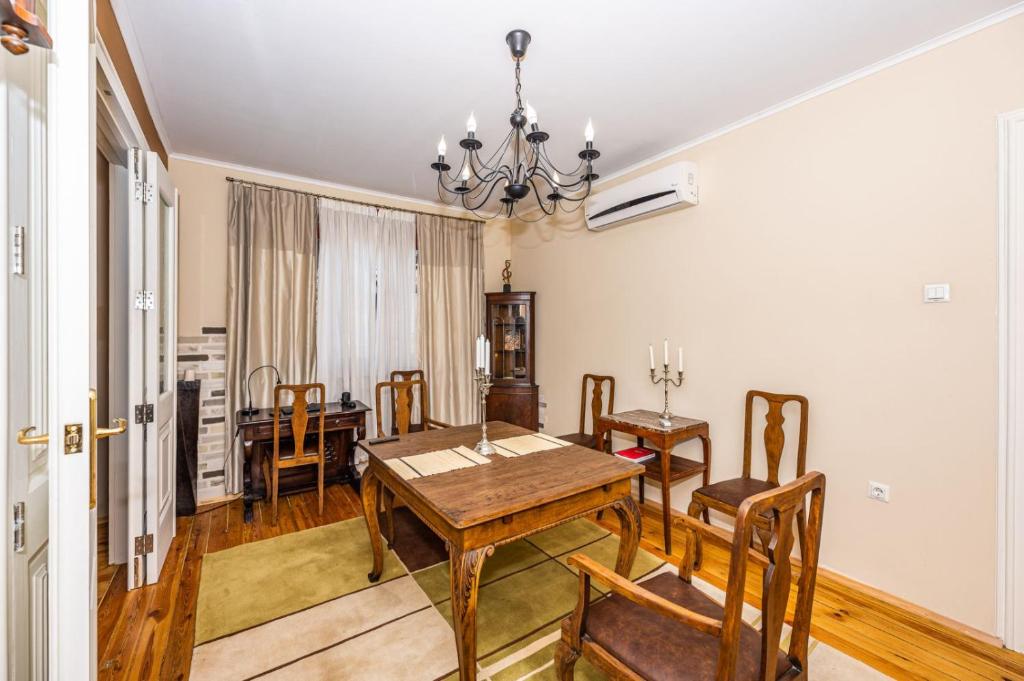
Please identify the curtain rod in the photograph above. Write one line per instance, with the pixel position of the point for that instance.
(359, 203)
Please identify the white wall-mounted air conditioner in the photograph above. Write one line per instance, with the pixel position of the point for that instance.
(674, 186)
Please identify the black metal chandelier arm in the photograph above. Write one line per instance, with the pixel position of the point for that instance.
(490, 192)
(576, 171)
(521, 218)
(541, 200)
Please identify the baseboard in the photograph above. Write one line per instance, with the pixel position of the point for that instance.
(216, 502)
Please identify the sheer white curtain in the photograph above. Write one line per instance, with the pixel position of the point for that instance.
(366, 301)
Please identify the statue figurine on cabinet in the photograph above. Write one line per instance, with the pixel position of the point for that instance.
(506, 276)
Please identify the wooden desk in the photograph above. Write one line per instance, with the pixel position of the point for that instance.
(475, 509)
(342, 429)
(664, 469)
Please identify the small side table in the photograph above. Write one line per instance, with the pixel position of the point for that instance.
(664, 469)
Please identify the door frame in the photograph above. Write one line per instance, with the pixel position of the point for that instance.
(71, 142)
(118, 134)
(1010, 516)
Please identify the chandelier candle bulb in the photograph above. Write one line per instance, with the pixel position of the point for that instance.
(471, 124)
(588, 132)
(442, 147)
(531, 114)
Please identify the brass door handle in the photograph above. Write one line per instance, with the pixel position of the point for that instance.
(120, 426)
(26, 438)
(95, 435)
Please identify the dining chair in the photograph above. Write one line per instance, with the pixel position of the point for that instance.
(403, 394)
(665, 628)
(581, 437)
(403, 399)
(299, 427)
(727, 495)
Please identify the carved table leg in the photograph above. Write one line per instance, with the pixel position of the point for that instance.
(666, 497)
(466, 566)
(248, 493)
(370, 493)
(705, 443)
(629, 527)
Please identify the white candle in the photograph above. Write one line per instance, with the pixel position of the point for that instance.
(476, 352)
(650, 349)
(482, 358)
(487, 356)
(680, 358)
(666, 352)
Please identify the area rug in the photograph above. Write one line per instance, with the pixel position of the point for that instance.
(300, 607)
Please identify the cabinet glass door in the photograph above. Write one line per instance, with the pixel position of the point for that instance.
(509, 341)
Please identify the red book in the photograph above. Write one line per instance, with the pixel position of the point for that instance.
(636, 454)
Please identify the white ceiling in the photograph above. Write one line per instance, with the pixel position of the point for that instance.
(358, 93)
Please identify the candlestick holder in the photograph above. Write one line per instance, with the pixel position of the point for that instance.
(665, 417)
(483, 384)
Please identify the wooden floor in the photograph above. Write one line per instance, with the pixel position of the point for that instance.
(148, 633)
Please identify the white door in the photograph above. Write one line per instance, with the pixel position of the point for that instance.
(152, 283)
(26, 394)
(136, 302)
(161, 352)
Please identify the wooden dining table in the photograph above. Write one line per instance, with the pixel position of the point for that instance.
(478, 508)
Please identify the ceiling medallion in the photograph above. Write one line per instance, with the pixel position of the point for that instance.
(521, 166)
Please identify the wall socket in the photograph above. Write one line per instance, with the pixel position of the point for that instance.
(878, 491)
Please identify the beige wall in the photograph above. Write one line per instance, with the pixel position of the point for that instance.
(802, 271)
(202, 257)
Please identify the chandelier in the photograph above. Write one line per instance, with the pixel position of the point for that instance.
(520, 167)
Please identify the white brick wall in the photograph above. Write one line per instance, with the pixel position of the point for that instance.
(205, 355)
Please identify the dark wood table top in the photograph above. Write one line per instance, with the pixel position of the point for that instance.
(470, 496)
(264, 416)
(645, 418)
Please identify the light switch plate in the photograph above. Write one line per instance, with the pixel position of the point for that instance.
(936, 293)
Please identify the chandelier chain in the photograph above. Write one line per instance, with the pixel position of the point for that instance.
(519, 87)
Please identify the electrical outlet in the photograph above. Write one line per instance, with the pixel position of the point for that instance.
(878, 491)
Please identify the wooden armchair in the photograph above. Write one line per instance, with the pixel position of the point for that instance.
(727, 495)
(581, 437)
(299, 422)
(665, 628)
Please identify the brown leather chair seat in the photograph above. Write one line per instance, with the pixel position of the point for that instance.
(733, 492)
(658, 648)
(581, 439)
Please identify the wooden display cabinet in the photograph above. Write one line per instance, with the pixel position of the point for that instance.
(511, 328)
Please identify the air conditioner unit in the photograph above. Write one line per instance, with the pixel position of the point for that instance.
(674, 186)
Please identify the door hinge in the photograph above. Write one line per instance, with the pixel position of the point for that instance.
(143, 413)
(18, 249)
(138, 190)
(144, 545)
(19, 527)
(148, 196)
(144, 300)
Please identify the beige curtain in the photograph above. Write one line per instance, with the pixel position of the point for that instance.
(451, 285)
(272, 259)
